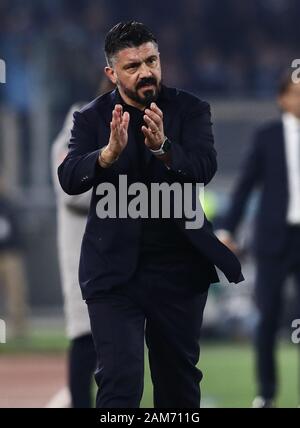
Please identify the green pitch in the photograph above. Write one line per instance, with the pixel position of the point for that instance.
(229, 376)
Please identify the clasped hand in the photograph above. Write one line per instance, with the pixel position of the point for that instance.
(153, 132)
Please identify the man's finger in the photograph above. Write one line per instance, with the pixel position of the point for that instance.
(114, 117)
(119, 109)
(117, 114)
(113, 126)
(116, 120)
(147, 133)
(113, 130)
(125, 120)
(155, 117)
(156, 110)
(151, 124)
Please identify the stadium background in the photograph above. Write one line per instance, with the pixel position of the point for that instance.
(228, 52)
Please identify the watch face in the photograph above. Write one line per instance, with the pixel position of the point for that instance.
(166, 146)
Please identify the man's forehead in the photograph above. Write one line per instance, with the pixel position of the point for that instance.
(137, 53)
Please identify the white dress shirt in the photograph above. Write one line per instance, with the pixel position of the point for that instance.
(291, 130)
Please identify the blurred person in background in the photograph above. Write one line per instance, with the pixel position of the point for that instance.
(273, 166)
(12, 273)
(144, 277)
(72, 214)
(71, 219)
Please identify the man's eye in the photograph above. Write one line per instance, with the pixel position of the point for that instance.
(152, 61)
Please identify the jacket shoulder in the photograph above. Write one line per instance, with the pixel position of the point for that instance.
(191, 99)
(187, 103)
(269, 128)
(97, 104)
(266, 134)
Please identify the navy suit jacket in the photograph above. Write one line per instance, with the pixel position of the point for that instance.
(264, 168)
(110, 247)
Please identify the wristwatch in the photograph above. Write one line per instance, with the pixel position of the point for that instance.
(164, 148)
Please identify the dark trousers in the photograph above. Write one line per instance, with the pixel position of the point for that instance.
(166, 310)
(271, 275)
(82, 364)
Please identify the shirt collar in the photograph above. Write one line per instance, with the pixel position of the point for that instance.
(291, 121)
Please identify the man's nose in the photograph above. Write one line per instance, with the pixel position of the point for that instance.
(145, 71)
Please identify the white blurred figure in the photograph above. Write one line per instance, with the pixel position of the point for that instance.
(71, 220)
(72, 214)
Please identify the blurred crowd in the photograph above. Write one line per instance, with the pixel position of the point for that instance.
(220, 47)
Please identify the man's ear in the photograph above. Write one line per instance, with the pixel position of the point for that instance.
(110, 73)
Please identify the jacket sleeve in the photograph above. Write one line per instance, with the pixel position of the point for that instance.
(195, 158)
(58, 153)
(80, 169)
(249, 178)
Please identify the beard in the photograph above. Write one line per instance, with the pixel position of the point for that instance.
(148, 96)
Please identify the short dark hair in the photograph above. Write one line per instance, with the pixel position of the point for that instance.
(126, 35)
